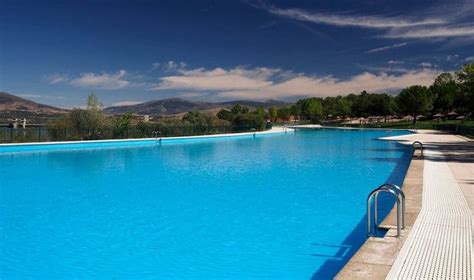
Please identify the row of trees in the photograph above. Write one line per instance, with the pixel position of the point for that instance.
(448, 93)
(240, 116)
(91, 123)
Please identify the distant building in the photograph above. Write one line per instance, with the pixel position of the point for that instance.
(15, 122)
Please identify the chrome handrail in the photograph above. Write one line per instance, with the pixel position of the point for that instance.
(414, 145)
(254, 131)
(400, 193)
(400, 197)
(157, 134)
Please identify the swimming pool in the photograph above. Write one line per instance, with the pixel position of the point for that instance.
(278, 206)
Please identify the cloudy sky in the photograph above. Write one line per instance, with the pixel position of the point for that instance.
(57, 52)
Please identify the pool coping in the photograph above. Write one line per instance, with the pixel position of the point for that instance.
(317, 126)
(274, 130)
(375, 257)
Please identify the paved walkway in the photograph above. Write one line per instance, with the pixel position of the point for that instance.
(440, 244)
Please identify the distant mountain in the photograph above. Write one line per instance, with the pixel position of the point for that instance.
(174, 106)
(12, 103)
(255, 104)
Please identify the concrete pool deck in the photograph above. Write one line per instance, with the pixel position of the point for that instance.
(437, 242)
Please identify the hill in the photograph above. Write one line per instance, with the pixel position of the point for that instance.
(14, 103)
(12, 106)
(174, 106)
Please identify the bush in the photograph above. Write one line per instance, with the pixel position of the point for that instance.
(249, 120)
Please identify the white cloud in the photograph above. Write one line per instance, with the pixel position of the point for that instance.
(394, 62)
(431, 32)
(330, 86)
(75, 107)
(217, 79)
(28, 95)
(191, 94)
(426, 64)
(386, 48)
(126, 103)
(38, 96)
(265, 83)
(392, 68)
(169, 66)
(452, 57)
(57, 78)
(102, 80)
(155, 65)
(432, 23)
(471, 58)
(351, 20)
(174, 66)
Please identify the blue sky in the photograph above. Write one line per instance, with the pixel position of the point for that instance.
(57, 52)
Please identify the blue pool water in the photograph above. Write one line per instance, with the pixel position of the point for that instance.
(288, 206)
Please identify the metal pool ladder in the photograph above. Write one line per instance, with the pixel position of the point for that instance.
(157, 136)
(254, 131)
(416, 144)
(400, 197)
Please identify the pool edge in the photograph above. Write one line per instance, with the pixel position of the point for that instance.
(274, 130)
(374, 259)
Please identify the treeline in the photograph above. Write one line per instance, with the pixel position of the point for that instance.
(240, 116)
(91, 123)
(448, 93)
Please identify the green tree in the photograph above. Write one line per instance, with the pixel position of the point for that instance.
(225, 115)
(361, 104)
(80, 124)
(295, 111)
(122, 125)
(343, 106)
(87, 124)
(329, 107)
(239, 110)
(93, 103)
(446, 91)
(284, 113)
(382, 105)
(196, 118)
(272, 113)
(466, 81)
(84, 124)
(466, 76)
(415, 100)
(311, 109)
(247, 121)
(336, 106)
(261, 112)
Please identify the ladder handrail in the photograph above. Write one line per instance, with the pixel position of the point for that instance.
(400, 193)
(414, 145)
(400, 197)
(156, 134)
(253, 130)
